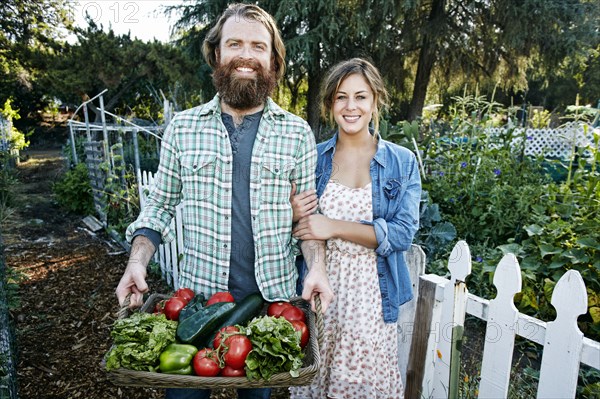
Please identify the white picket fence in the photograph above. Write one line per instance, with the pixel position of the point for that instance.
(441, 308)
(167, 255)
(427, 323)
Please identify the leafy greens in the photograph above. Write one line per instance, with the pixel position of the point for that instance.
(139, 340)
(275, 348)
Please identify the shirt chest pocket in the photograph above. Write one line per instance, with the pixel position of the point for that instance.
(275, 181)
(393, 194)
(198, 176)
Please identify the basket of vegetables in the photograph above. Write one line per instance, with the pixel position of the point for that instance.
(185, 341)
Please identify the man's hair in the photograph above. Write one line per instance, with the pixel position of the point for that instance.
(249, 12)
(341, 71)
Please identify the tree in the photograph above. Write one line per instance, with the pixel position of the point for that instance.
(29, 34)
(498, 37)
(417, 42)
(130, 69)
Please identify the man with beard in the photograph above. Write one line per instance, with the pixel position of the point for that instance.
(232, 163)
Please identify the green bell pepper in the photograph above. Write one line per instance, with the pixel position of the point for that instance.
(177, 359)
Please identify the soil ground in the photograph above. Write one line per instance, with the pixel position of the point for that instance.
(67, 301)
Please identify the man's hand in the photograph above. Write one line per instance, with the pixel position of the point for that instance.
(133, 282)
(134, 279)
(316, 281)
(303, 204)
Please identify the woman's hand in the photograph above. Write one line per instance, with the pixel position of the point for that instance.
(303, 204)
(314, 227)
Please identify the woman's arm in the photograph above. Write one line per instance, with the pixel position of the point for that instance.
(320, 227)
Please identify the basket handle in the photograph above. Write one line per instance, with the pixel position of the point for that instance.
(123, 311)
(319, 319)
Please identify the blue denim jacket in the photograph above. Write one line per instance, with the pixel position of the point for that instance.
(396, 187)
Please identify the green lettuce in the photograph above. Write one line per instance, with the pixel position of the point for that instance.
(275, 348)
(139, 340)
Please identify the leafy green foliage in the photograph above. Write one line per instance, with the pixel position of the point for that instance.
(563, 233)
(501, 201)
(138, 341)
(74, 191)
(8, 181)
(483, 185)
(15, 137)
(134, 72)
(434, 235)
(13, 278)
(275, 348)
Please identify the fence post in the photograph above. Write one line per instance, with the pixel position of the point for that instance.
(459, 265)
(104, 129)
(500, 331)
(86, 117)
(73, 146)
(415, 260)
(419, 373)
(564, 341)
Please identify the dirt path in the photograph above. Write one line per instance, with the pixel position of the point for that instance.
(67, 298)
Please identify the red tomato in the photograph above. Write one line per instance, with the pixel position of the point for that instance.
(185, 293)
(220, 297)
(276, 308)
(237, 349)
(304, 334)
(173, 306)
(294, 313)
(229, 371)
(221, 332)
(205, 363)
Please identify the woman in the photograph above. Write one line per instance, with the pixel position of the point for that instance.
(368, 193)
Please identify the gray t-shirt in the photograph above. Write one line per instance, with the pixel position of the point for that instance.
(241, 266)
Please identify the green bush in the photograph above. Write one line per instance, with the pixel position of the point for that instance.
(74, 191)
(501, 201)
(8, 180)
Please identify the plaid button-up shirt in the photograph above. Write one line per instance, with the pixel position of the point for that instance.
(196, 169)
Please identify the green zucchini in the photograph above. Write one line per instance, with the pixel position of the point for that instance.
(192, 307)
(197, 328)
(244, 311)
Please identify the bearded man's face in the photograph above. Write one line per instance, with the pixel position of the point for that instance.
(246, 74)
(240, 91)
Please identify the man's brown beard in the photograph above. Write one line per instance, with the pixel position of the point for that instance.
(244, 93)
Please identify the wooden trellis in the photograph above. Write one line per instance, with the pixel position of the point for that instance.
(94, 151)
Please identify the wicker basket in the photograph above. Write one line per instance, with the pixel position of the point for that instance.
(307, 372)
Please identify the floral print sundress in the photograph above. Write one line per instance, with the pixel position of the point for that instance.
(359, 358)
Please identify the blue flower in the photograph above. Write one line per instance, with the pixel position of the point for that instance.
(441, 173)
(497, 172)
(392, 188)
(463, 164)
(529, 138)
(478, 259)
